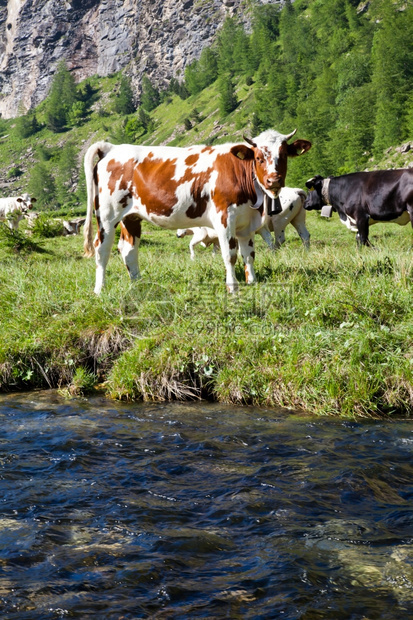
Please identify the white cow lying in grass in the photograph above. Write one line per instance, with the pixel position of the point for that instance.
(14, 209)
(292, 212)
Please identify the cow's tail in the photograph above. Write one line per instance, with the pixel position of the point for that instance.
(99, 149)
(302, 194)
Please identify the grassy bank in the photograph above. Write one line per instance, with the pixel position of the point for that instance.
(329, 331)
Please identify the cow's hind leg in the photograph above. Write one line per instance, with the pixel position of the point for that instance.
(267, 237)
(246, 246)
(103, 245)
(229, 246)
(128, 246)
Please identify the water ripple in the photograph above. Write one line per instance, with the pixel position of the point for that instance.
(201, 511)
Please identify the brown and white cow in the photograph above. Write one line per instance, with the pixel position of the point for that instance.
(174, 187)
(14, 208)
(292, 212)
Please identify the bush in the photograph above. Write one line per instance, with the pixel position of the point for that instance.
(14, 172)
(47, 227)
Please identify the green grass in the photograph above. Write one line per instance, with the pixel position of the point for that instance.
(329, 330)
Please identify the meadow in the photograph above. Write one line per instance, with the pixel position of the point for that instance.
(328, 331)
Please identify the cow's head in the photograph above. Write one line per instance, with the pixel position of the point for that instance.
(25, 202)
(270, 151)
(315, 200)
(183, 232)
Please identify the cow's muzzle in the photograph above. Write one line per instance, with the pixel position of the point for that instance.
(274, 185)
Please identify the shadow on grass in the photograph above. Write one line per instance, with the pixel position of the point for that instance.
(19, 243)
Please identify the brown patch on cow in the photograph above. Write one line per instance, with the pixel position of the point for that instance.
(233, 259)
(100, 233)
(95, 175)
(122, 173)
(233, 243)
(251, 243)
(197, 209)
(207, 149)
(192, 159)
(281, 167)
(130, 229)
(234, 183)
(124, 201)
(200, 199)
(153, 183)
(252, 255)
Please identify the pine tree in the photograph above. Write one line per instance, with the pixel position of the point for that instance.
(66, 173)
(227, 100)
(150, 97)
(124, 103)
(42, 186)
(61, 98)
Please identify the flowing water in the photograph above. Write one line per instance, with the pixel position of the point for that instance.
(201, 511)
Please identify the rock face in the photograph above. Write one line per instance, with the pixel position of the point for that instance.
(156, 37)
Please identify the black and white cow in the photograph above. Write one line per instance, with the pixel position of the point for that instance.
(365, 198)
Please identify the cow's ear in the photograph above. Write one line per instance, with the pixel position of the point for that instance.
(298, 148)
(242, 151)
(311, 183)
(34, 200)
(19, 199)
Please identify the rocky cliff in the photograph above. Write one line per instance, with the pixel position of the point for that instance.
(159, 37)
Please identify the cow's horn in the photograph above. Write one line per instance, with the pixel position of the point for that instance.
(249, 141)
(290, 135)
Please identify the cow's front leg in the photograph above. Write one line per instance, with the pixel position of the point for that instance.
(363, 231)
(128, 246)
(246, 245)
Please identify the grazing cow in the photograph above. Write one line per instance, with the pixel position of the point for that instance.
(173, 187)
(14, 209)
(362, 199)
(292, 212)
